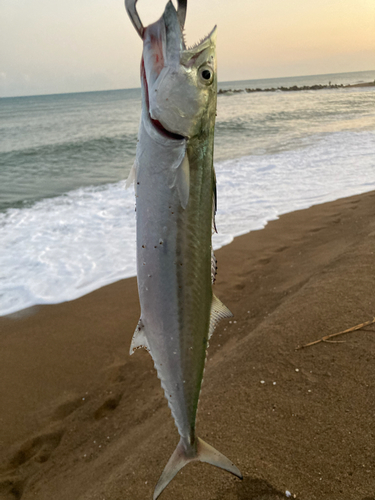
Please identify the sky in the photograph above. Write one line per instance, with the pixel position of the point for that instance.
(50, 46)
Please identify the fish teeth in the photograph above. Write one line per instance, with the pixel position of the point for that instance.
(203, 39)
(183, 37)
(192, 47)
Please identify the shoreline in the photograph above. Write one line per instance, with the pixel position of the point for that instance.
(28, 309)
(81, 418)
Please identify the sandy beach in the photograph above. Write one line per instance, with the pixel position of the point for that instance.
(82, 420)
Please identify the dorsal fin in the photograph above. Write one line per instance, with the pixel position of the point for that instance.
(218, 312)
(139, 338)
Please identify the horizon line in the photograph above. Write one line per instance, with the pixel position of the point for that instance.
(219, 83)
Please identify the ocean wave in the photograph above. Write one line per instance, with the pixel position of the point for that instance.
(64, 247)
(97, 145)
(52, 169)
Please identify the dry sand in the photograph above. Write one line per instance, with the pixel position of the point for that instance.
(81, 420)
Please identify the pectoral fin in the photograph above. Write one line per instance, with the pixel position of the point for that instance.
(180, 178)
(183, 181)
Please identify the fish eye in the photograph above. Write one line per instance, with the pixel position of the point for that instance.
(206, 74)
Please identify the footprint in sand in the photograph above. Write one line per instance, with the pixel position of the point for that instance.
(108, 406)
(68, 407)
(239, 286)
(281, 249)
(38, 448)
(354, 204)
(11, 488)
(265, 260)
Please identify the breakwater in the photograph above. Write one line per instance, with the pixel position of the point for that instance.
(295, 88)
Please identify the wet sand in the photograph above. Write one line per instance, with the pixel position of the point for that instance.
(81, 420)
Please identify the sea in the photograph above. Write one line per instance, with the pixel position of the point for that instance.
(67, 223)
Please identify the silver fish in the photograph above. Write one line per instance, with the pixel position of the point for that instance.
(175, 205)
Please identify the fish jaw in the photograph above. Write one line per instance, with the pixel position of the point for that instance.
(180, 83)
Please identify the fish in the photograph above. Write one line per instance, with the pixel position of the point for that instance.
(175, 191)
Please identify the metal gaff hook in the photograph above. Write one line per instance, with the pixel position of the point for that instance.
(137, 23)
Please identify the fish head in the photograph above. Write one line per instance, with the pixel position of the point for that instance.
(179, 83)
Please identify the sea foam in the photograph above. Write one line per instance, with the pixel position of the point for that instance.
(64, 247)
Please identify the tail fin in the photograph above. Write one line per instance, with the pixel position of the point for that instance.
(208, 454)
(182, 456)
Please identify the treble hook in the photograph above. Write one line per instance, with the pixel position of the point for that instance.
(137, 23)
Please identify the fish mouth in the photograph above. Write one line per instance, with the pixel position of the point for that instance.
(165, 54)
(156, 123)
(162, 43)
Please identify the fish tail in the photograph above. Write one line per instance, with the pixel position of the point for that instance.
(208, 454)
(182, 455)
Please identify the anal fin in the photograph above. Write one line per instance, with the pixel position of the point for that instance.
(139, 338)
